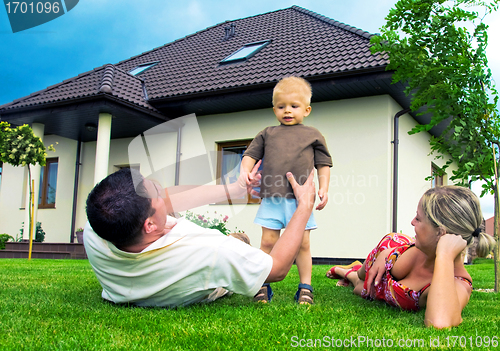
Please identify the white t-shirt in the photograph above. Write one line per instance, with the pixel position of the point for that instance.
(181, 268)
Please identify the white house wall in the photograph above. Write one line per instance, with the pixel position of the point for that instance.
(358, 133)
(56, 222)
(159, 146)
(11, 200)
(414, 167)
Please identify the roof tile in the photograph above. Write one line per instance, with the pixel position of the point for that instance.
(302, 43)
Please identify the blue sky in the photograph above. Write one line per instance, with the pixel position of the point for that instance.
(97, 32)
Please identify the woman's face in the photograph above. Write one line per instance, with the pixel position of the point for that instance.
(426, 234)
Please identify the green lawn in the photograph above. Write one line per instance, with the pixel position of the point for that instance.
(56, 304)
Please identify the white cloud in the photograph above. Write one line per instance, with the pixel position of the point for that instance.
(487, 201)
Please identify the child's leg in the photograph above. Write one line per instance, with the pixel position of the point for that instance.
(304, 262)
(269, 238)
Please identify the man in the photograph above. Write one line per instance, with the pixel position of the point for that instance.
(144, 257)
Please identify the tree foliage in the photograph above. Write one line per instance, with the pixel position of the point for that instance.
(20, 147)
(438, 49)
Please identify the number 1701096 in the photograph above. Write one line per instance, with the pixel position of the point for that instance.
(32, 7)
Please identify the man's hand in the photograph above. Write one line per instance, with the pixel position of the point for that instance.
(253, 179)
(306, 193)
(246, 181)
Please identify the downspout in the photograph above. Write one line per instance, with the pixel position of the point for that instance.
(395, 169)
(75, 191)
(178, 155)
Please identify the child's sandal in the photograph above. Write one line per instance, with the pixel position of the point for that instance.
(304, 297)
(264, 295)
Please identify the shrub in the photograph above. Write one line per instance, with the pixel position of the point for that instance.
(39, 233)
(3, 239)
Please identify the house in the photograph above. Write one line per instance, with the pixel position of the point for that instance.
(224, 75)
(490, 226)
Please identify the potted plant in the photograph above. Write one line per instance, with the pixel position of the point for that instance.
(79, 235)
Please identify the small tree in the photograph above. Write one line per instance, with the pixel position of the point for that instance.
(438, 48)
(20, 147)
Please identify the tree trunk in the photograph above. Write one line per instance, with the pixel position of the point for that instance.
(496, 251)
(496, 219)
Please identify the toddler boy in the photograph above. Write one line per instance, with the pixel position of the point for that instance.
(288, 147)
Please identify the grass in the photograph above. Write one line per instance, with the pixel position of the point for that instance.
(56, 305)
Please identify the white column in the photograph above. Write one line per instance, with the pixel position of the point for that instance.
(102, 147)
(38, 130)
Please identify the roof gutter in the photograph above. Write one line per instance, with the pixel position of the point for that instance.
(75, 190)
(395, 169)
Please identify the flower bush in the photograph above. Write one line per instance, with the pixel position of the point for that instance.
(204, 221)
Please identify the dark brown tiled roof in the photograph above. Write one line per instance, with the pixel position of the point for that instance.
(106, 79)
(303, 43)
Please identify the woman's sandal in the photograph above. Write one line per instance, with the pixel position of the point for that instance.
(331, 273)
(265, 294)
(345, 281)
(304, 296)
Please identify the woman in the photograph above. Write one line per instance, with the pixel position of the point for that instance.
(426, 272)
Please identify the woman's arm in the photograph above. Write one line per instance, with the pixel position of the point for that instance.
(447, 296)
(377, 270)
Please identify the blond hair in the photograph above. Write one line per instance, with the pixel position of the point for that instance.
(293, 85)
(457, 210)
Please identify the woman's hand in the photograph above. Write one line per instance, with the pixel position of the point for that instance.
(450, 246)
(376, 272)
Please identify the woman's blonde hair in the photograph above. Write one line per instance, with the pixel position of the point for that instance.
(457, 210)
(292, 84)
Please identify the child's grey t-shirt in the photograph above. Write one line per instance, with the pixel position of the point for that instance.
(297, 149)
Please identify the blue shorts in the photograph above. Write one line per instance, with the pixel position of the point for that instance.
(275, 213)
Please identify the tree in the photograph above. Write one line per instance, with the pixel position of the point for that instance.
(20, 147)
(437, 48)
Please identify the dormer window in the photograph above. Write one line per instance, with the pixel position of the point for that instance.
(141, 68)
(246, 51)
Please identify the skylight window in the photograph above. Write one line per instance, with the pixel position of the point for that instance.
(246, 52)
(141, 68)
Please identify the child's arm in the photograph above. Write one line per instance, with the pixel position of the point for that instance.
(247, 164)
(324, 182)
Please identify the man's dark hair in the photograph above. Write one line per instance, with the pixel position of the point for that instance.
(115, 210)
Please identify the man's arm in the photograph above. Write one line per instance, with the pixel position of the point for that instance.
(286, 248)
(181, 198)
